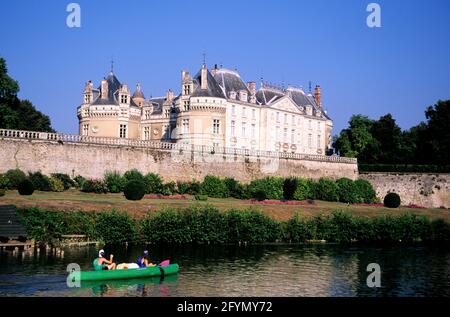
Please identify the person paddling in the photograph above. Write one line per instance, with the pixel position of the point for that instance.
(101, 263)
(143, 260)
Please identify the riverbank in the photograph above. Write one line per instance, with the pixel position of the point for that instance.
(74, 200)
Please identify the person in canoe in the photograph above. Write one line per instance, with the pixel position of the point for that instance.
(101, 263)
(143, 261)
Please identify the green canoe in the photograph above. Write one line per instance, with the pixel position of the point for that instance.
(124, 274)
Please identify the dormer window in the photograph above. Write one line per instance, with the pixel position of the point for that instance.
(187, 89)
(123, 99)
(232, 95)
(87, 98)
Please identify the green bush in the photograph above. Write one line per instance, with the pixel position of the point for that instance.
(233, 187)
(272, 186)
(347, 191)
(165, 227)
(201, 197)
(260, 195)
(298, 230)
(213, 186)
(326, 189)
(25, 187)
(365, 191)
(153, 183)
(134, 190)
(115, 228)
(79, 181)
(392, 200)
(289, 187)
(66, 180)
(114, 181)
(15, 177)
(57, 184)
(169, 189)
(40, 181)
(4, 182)
(43, 226)
(2, 192)
(440, 231)
(303, 190)
(133, 174)
(182, 187)
(94, 186)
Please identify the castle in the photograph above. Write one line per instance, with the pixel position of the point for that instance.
(215, 108)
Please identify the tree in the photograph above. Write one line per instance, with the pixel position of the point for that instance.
(15, 113)
(388, 134)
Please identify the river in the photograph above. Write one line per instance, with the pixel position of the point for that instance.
(271, 270)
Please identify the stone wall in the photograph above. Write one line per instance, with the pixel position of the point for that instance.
(429, 190)
(92, 160)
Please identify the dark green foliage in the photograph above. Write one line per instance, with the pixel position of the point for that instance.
(67, 181)
(15, 177)
(43, 226)
(298, 230)
(115, 228)
(347, 191)
(2, 192)
(25, 187)
(79, 181)
(57, 184)
(260, 195)
(326, 189)
(191, 188)
(392, 200)
(165, 227)
(153, 184)
(213, 186)
(133, 174)
(289, 187)
(40, 181)
(271, 186)
(94, 186)
(201, 197)
(440, 230)
(182, 187)
(303, 190)
(169, 188)
(4, 182)
(134, 190)
(234, 188)
(365, 191)
(114, 181)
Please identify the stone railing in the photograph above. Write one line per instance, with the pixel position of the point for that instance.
(76, 138)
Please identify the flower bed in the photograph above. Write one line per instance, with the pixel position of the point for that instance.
(283, 202)
(415, 206)
(159, 196)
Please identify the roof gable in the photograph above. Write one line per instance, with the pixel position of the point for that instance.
(286, 104)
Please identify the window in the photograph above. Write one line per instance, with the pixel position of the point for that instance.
(277, 133)
(147, 114)
(233, 110)
(310, 140)
(243, 128)
(285, 135)
(309, 124)
(85, 129)
(167, 113)
(185, 125)
(318, 141)
(123, 131)
(87, 98)
(293, 120)
(166, 131)
(253, 130)
(285, 118)
(253, 113)
(244, 111)
(186, 105)
(318, 125)
(123, 98)
(233, 124)
(146, 133)
(278, 117)
(292, 136)
(187, 89)
(216, 126)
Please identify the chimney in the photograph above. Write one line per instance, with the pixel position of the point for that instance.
(104, 87)
(204, 77)
(251, 85)
(317, 95)
(169, 95)
(214, 70)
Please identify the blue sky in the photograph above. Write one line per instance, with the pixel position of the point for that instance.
(400, 68)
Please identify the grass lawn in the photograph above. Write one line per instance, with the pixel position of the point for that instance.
(75, 200)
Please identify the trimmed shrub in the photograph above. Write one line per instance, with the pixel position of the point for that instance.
(57, 184)
(79, 181)
(134, 190)
(2, 192)
(153, 184)
(392, 200)
(213, 186)
(326, 189)
(40, 181)
(303, 190)
(165, 227)
(114, 181)
(115, 228)
(298, 230)
(4, 182)
(94, 186)
(233, 188)
(260, 195)
(365, 191)
(289, 187)
(169, 189)
(15, 177)
(182, 187)
(133, 174)
(201, 197)
(25, 187)
(272, 186)
(66, 180)
(347, 191)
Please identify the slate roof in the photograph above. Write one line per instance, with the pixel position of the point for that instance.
(113, 87)
(10, 226)
(213, 90)
(230, 80)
